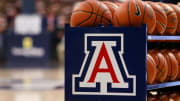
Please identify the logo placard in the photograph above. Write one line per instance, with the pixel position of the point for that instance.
(103, 67)
(105, 63)
(27, 51)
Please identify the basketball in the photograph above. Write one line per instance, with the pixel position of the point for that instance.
(151, 69)
(172, 20)
(161, 65)
(149, 18)
(177, 10)
(89, 50)
(152, 99)
(90, 13)
(164, 97)
(129, 13)
(173, 96)
(177, 55)
(149, 99)
(118, 4)
(112, 7)
(177, 97)
(172, 65)
(161, 18)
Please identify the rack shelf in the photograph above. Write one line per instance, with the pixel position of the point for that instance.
(163, 38)
(163, 85)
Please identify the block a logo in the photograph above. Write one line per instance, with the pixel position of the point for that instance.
(104, 71)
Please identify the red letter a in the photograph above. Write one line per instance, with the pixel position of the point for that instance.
(103, 53)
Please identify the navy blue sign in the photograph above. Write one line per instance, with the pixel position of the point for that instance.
(105, 63)
(27, 50)
(28, 42)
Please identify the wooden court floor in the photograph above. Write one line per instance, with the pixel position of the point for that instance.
(55, 95)
(32, 95)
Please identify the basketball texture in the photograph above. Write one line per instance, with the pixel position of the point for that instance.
(172, 20)
(177, 10)
(149, 99)
(161, 65)
(129, 13)
(153, 99)
(149, 18)
(164, 97)
(177, 97)
(151, 69)
(173, 96)
(118, 4)
(112, 7)
(90, 13)
(161, 18)
(177, 55)
(172, 65)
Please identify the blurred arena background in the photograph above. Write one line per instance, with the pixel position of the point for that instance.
(36, 83)
(55, 12)
(33, 83)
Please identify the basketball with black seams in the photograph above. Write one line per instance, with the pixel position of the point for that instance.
(118, 4)
(153, 98)
(151, 69)
(164, 97)
(161, 18)
(129, 13)
(177, 10)
(161, 66)
(172, 20)
(176, 53)
(135, 13)
(172, 62)
(176, 96)
(90, 13)
(149, 18)
(112, 6)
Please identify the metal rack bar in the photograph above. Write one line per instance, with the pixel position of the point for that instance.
(163, 85)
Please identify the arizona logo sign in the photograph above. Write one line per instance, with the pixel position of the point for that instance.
(104, 70)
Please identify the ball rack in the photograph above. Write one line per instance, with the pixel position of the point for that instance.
(158, 38)
(163, 85)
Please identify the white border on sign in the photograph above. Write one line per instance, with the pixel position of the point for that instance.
(123, 63)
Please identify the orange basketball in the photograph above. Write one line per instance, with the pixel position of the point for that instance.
(177, 55)
(152, 99)
(172, 65)
(161, 18)
(118, 4)
(112, 7)
(177, 10)
(164, 97)
(173, 96)
(161, 65)
(129, 13)
(151, 69)
(149, 99)
(149, 18)
(177, 97)
(90, 13)
(172, 20)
